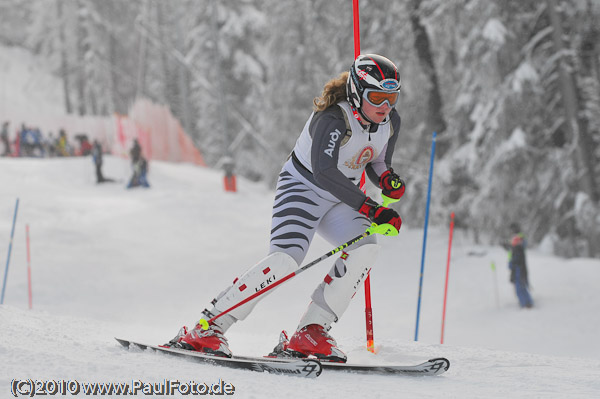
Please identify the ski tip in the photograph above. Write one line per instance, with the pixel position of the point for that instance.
(439, 365)
(130, 344)
(123, 342)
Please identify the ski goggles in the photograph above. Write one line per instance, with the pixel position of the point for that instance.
(377, 97)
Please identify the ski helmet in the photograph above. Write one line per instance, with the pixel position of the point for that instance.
(371, 71)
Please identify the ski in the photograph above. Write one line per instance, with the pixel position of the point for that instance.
(435, 366)
(307, 367)
(431, 367)
(295, 367)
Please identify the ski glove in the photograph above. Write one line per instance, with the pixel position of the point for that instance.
(380, 214)
(391, 184)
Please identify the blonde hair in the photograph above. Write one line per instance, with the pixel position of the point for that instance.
(334, 91)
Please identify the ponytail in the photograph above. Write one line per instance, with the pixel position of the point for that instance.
(334, 91)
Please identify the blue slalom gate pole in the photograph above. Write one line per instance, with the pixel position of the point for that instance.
(425, 233)
(12, 234)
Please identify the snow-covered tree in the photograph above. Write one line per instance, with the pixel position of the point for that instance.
(518, 133)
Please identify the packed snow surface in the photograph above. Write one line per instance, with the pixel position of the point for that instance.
(109, 262)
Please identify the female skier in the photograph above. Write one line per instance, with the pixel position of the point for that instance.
(354, 128)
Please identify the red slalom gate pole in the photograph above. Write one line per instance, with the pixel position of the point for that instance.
(447, 273)
(356, 16)
(369, 315)
(28, 267)
(368, 309)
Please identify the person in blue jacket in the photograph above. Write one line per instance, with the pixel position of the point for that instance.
(517, 264)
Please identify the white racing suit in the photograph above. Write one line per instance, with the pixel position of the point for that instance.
(318, 191)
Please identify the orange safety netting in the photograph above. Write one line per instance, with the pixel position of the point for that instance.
(159, 133)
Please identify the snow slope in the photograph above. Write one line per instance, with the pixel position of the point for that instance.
(140, 264)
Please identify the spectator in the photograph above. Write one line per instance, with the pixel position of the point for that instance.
(35, 143)
(85, 147)
(135, 152)
(97, 158)
(62, 147)
(518, 266)
(5, 140)
(139, 166)
(50, 145)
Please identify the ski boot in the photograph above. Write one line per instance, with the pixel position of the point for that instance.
(211, 341)
(311, 340)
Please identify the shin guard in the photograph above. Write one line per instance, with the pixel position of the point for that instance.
(269, 270)
(332, 297)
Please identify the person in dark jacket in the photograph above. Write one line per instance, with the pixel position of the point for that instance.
(135, 152)
(139, 164)
(97, 157)
(5, 140)
(518, 266)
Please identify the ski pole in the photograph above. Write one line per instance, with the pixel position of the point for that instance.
(383, 229)
(12, 234)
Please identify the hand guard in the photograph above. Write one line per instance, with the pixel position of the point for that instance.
(380, 214)
(391, 184)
